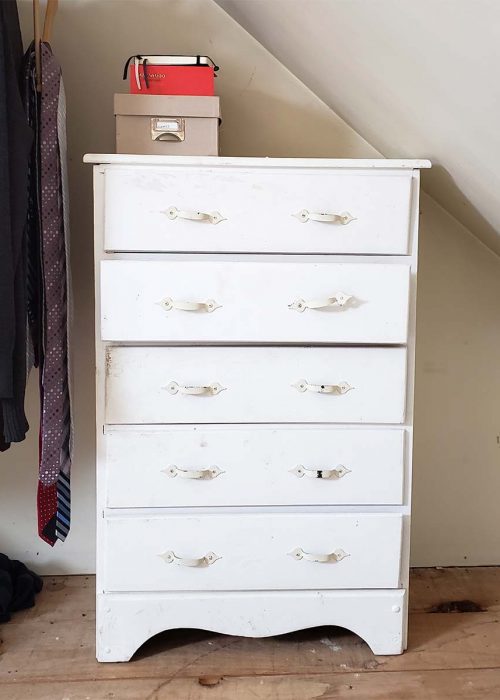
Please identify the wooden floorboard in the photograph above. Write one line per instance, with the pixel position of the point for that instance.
(48, 652)
(480, 584)
(413, 685)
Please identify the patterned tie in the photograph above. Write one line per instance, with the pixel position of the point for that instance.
(55, 422)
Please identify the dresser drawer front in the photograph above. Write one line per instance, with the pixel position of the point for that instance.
(254, 302)
(255, 385)
(160, 553)
(210, 466)
(164, 208)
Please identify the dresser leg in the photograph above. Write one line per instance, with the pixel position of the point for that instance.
(126, 621)
(116, 638)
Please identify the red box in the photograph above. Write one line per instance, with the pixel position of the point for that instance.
(171, 75)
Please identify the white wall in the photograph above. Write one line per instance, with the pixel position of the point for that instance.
(267, 111)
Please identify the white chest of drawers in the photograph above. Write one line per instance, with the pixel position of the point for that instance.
(255, 331)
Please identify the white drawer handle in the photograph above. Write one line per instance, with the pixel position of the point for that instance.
(341, 388)
(212, 217)
(336, 473)
(339, 299)
(324, 217)
(339, 554)
(172, 558)
(209, 305)
(210, 473)
(193, 390)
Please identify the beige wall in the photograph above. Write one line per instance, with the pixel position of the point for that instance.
(266, 111)
(457, 414)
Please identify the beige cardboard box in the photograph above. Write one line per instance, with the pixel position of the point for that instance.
(183, 125)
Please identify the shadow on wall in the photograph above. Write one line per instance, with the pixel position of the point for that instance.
(262, 125)
(457, 396)
(438, 179)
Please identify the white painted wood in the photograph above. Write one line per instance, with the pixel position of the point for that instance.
(257, 466)
(258, 208)
(343, 164)
(253, 550)
(135, 421)
(253, 302)
(100, 379)
(258, 384)
(126, 621)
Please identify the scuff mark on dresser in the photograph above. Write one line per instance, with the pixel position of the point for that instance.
(107, 362)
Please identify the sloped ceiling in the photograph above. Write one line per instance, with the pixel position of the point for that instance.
(415, 79)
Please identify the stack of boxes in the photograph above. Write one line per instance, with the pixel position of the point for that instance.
(171, 108)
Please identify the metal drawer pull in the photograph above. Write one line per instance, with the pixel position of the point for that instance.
(336, 473)
(172, 558)
(213, 217)
(193, 390)
(324, 217)
(211, 473)
(339, 299)
(168, 129)
(209, 305)
(341, 388)
(339, 554)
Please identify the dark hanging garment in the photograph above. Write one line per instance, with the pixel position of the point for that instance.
(34, 289)
(55, 420)
(34, 269)
(18, 586)
(15, 147)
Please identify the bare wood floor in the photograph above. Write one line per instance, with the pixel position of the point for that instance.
(47, 653)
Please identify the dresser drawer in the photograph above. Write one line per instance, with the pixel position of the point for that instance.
(254, 302)
(210, 466)
(256, 210)
(163, 553)
(255, 385)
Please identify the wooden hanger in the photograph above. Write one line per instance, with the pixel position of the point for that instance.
(48, 24)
